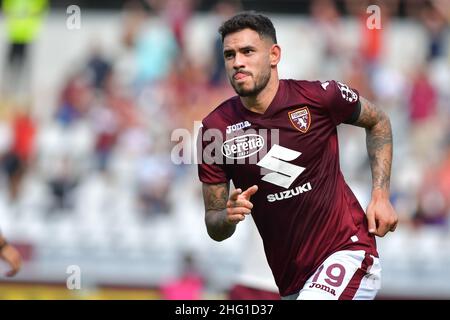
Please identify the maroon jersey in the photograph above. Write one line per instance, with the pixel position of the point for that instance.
(303, 208)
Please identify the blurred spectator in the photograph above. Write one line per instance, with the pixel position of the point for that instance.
(188, 286)
(105, 124)
(435, 24)
(98, 68)
(422, 114)
(431, 208)
(373, 37)
(23, 22)
(17, 160)
(75, 98)
(327, 18)
(125, 64)
(327, 22)
(188, 89)
(156, 51)
(154, 178)
(434, 195)
(177, 13)
(121, 103)
(423, 97)
(62, 183)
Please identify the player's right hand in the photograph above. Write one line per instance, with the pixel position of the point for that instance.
(239, 204)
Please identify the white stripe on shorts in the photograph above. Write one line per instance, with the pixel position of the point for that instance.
(346, 274)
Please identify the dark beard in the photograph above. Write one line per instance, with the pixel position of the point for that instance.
(256, 90)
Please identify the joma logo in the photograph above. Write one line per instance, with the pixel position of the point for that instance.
(238, 126)
(323, 287)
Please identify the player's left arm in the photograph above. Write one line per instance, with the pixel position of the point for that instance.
(381, 215)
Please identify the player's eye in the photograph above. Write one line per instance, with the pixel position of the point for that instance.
(248, 51)
(228, 55)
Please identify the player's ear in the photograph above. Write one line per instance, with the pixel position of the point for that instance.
(275, 55)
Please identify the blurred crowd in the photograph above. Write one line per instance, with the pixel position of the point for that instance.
(120, 107)
(416, 97)
(130, 100)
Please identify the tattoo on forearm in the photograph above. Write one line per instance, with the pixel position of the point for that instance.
(380, 155)
(215, 196)
(379, 142)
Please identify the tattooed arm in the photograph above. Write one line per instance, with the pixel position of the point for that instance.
(223, 214)
(380, 213)
(379, 143)
(215, 198)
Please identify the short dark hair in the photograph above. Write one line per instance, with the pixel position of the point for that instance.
(252, 20)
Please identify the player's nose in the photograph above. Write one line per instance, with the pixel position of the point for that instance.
(238, 62)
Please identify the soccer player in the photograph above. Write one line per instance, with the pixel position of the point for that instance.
(10, 254)
(318, 240)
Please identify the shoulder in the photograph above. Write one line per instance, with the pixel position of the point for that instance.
(310, 89)
(221, 114)
(324, 91)
(317, 93)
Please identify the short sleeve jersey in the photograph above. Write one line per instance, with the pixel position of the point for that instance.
(303, 209)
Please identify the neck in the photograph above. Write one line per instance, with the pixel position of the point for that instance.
(260, 102)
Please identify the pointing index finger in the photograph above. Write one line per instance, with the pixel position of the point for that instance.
(235, 193)
(250, 191)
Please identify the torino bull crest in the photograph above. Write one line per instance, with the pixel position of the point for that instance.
(300, 119)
